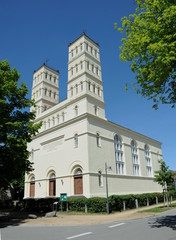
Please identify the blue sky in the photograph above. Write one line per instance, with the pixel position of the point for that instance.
(34, 31)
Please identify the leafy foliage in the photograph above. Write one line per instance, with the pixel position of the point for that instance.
(149, 45)
(94, 204)
(164, 176)
(16, 126)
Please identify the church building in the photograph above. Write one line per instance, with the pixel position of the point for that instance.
(76, 144)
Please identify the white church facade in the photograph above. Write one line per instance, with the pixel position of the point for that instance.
(76, 140)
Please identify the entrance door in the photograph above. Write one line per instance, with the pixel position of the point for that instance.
(32, 189)
(52, 187)
(78, 184)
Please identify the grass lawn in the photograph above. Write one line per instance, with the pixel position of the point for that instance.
(160, 209)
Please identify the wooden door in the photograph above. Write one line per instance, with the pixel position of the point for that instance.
(78, 184)
(52, 187)
(32, 189)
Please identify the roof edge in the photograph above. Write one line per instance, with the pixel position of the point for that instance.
(47, 67)
(84, 34)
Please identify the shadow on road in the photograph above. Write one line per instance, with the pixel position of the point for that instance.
(12, 218)
(165, 221)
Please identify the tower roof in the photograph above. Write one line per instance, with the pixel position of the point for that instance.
(44, 65)
(83, 34)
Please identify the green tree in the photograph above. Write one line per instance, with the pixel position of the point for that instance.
(149, 45)
(164, 177)
(16, 127)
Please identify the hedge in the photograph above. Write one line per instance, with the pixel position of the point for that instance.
(94, 204)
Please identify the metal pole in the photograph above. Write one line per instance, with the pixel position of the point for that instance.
(107, 203)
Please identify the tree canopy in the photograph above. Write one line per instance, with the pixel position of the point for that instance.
(149, 45)
(164, 176)
(16, 126)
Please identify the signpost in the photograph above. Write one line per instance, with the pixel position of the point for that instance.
(63, 198)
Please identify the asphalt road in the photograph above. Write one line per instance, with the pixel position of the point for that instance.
(162, 227)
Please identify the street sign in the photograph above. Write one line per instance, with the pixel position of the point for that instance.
(63, 197)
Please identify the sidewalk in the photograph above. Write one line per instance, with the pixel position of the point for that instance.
(73, 219)
(87, 219)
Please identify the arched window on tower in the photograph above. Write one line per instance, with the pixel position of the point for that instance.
(76, 140)
(89, 86)
(71, 90)
(135, 159)
(94, 88)
(119, 155)
(98, 140)
(100, 179)
(148, 161)
(81, 86)
(76, 111)
(76, 86)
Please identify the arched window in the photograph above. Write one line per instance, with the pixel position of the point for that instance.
(98, 140)
(100, 179)
(52, 184)
(71, 90)
(50, 93)
(94, 88)
(48, 123)
(88, 65)
(76, 68)
(81, 86)
(96, 110)
(76, 110)
(81, 46)
(46, 75)
(63, 117)
(95, 53)
(76, 140)
(91, 50)
(98, 90)
(148, 161)
(44, 125)
(81, 65)
(89, 84)
(53, 121)
(135, 159)
(32, 187)
(119, 155)
(97, 70)
(76, 86)
(58, 120)
(71, 71)
(45, 91)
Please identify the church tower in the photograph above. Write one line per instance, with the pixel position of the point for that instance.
(84, 74)
(45, 90)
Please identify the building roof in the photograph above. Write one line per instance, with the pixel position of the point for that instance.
(44, 64)
(83, 34)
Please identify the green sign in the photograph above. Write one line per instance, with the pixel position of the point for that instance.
(63, 197)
